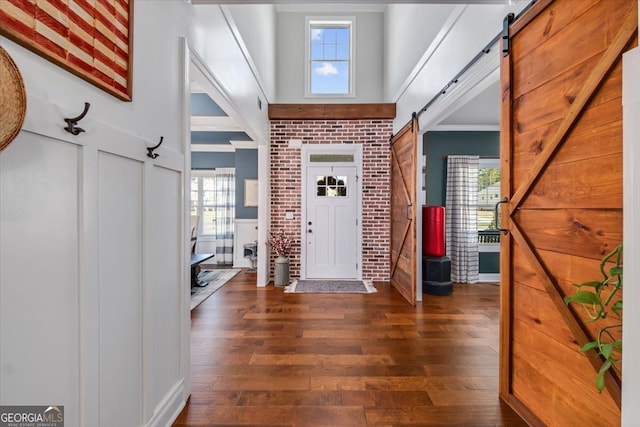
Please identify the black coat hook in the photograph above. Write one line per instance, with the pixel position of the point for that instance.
(150, 152)
(72, 123)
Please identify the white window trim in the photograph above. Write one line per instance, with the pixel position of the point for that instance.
(339, 20)
(489, 163)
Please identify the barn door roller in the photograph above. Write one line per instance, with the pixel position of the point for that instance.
(506, 22)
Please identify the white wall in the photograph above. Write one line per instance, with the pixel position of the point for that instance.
(631, 293)
(291, 58)
(93, 281)
(214, 41)
(411, 32)
(471, 28)
(256, 24)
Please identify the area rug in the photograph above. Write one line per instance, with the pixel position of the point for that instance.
(215, 278)
(331, 286)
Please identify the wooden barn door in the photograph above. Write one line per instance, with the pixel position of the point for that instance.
(561, 145)
(403, 210)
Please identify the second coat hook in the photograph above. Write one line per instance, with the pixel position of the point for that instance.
(150, 152)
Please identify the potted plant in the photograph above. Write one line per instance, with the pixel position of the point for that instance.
(281, 245)
(598, 299)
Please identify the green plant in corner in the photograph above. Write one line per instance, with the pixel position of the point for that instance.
(598, 298)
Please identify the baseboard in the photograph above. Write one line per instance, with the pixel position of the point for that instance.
(489, 277)
(240, 264)
(169, 409)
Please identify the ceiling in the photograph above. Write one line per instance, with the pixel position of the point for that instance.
(214, 130)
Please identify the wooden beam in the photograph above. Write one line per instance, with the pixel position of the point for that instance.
(331, 111)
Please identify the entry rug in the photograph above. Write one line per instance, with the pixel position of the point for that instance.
(331, 287)
(216, 279)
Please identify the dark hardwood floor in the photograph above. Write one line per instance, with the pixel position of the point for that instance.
(261, 357)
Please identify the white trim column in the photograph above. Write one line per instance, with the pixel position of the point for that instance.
(264, 215)
(631, 185)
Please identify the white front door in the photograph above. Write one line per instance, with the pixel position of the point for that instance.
(331, 222)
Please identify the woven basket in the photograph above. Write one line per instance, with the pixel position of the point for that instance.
(13, 100)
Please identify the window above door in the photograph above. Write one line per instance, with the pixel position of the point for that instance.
(329, 57)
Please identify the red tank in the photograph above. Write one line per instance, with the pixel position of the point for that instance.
(433, 230)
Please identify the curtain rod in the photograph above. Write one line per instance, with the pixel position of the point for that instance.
(481, 157)
(510, 19)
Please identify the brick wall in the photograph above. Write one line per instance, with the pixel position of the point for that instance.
(286, 183)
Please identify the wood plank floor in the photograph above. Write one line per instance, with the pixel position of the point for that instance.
(261, 357)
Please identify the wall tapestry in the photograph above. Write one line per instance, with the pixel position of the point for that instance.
(90, 38)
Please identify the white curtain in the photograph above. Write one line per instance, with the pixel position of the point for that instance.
(461, 213)
(225, 207)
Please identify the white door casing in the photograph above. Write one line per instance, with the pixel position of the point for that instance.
(331, 231)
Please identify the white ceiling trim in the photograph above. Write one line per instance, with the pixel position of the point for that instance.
(212, 148)
(331, 7)
(214, 124)
(244, 145)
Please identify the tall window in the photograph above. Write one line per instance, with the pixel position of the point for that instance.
(488, 193)
(212, 195)
(330, 57)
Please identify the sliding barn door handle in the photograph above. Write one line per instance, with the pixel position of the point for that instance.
(409, 216)
(496, 218)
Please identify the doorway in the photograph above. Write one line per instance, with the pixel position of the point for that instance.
(331, 231)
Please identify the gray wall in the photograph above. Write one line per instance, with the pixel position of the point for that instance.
(246, 164)
(203, 105)
(440, 144)
(290, 59)
(246, 168)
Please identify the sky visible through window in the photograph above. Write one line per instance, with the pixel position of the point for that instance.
(330, 58)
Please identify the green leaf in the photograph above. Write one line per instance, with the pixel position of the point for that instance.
(606, 350)
(600, 376)
(616, 271)
(617, 307)
(589, 284)
(584, 297)
(589, 346)
(600, 381)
